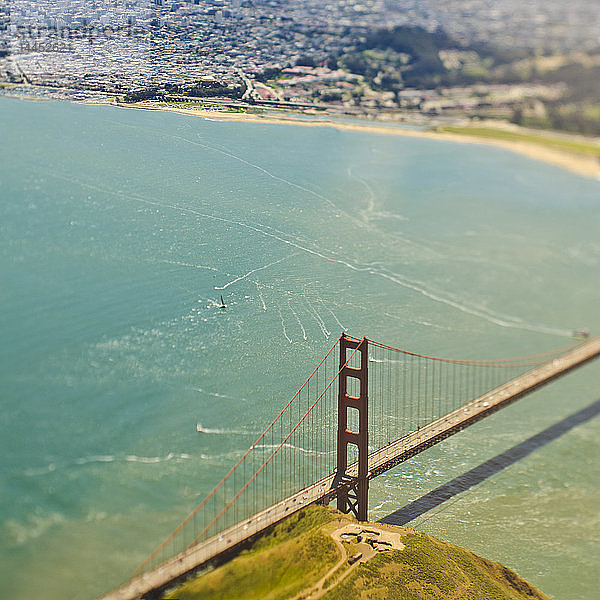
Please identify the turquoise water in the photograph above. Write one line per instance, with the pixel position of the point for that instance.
(120, 229)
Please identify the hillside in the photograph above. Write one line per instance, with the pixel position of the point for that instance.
(321, 553)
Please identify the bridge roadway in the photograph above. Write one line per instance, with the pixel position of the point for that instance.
(324, 490)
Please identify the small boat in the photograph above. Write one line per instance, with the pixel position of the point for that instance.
(222, 305)
(199, 428)
(581, 334)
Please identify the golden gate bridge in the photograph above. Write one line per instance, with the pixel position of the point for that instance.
(363, 410)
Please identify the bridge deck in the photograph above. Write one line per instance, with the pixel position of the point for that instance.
(380, 461)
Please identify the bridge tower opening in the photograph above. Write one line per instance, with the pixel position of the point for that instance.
(354, 495)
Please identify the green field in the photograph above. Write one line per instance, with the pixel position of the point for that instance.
(541, 139)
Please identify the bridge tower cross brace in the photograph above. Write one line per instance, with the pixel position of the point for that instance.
(354, 496)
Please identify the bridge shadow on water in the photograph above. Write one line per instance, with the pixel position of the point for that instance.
(490, 467)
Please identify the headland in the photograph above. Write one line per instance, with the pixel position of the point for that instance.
(319, 553)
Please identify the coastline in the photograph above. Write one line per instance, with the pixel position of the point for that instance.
(588, 166)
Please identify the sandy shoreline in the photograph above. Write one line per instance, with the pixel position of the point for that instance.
(588, 166)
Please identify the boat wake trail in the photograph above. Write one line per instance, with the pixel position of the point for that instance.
(297, 318)
(242, 277)
(201, 429)
(291, 447)
(319, 320)
(495, 318)
(337, 320)
(260, 169)
(105, 459)
(283, 327)
(221, 396)
(370, 213)
(260, 296)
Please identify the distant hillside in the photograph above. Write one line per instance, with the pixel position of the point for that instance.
(410, 57)
(320, 553)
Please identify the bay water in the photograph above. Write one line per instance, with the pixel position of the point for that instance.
(119, 232)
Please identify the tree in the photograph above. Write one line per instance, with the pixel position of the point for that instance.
(332, 63)
(305, 61)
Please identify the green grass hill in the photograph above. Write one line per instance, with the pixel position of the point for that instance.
(305, 557)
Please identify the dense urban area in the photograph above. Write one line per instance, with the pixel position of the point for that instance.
(534, 63)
